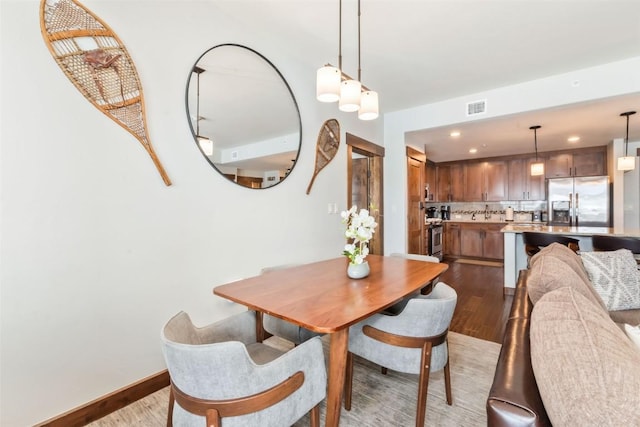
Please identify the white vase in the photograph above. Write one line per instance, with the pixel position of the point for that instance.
(358, 271)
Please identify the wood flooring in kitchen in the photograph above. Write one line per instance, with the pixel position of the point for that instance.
(482, 309)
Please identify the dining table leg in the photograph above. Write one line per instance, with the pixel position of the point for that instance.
(338, 344)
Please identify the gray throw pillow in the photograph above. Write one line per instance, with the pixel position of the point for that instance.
(615, 276)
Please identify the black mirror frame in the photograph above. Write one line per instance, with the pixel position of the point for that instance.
(293, 98)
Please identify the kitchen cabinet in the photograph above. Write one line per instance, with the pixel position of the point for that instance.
(578, 163)
(451, 239)
(523, 186)
(486, 181)
(430, 181)
(481, 240)
(450, 182)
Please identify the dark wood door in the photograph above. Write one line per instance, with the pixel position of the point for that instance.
(365, 183)
(415, 206)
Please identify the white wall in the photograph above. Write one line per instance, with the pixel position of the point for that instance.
(597, 82)
(96, 253)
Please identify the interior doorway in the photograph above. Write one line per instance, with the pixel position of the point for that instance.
(415, 201)
(365, 184)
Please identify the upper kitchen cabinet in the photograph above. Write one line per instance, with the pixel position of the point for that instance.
(523, 186)
(578, 163)
(430, 181)
(486, 181)
(450, 182)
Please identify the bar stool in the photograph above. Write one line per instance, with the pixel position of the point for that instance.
(613, 243)
(533, 242)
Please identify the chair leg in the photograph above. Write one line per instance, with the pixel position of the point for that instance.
(172, 401)
(423, 384)
(447, 379)
(348, 381)
(315, 416)
(213, 418)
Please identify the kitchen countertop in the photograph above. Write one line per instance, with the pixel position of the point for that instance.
(573, 231)
(495, 221)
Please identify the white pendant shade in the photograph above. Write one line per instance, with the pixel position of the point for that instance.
(206, 145)
(328, 84)
(368, 105)
(537, 169)
(626, 163)
(350, 95)
(332, 84)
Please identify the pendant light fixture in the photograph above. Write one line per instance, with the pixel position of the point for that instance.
(206, 145)
(627, 163)
(537, 168)
(332, 84)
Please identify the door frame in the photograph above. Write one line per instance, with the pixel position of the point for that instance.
(375, 152)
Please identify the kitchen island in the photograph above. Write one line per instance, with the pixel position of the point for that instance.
(515, 258)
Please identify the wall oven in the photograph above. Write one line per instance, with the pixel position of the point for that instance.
(434, 240)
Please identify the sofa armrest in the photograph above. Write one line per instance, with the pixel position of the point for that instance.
(514, 399)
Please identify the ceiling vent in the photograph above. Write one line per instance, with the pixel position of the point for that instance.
(476, 107)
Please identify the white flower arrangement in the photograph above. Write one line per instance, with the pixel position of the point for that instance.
(360, 229)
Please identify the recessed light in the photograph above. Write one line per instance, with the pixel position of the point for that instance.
(573, 139)
(473, 150)
(454, 134)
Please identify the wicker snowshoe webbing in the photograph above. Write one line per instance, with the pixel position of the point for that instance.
(326, 147)
(92, 56)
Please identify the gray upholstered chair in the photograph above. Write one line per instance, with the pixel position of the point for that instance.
(414, 342)
(426, 288)
(220, 375)
(281, 328)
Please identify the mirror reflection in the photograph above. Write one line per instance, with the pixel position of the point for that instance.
(243, 116)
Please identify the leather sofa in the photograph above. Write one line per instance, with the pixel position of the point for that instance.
(515, 398)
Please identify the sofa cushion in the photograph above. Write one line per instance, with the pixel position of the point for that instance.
(615, 277)
(549, 273)
(564, 254)
(587, 370)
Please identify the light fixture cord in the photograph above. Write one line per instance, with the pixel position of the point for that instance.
(535, 141)
(359, 70)
(626, 141)
(340, 37)
(198, 106)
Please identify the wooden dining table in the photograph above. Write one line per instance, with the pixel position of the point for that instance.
(322, 298)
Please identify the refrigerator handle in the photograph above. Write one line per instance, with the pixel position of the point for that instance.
(576, 209)
(570, 209)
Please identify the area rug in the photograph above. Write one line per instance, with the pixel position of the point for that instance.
(480, 262)
(378, 400)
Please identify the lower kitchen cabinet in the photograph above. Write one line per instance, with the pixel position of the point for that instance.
(480, 240)
(451, 239)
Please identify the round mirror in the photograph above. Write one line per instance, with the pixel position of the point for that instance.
(243, 116)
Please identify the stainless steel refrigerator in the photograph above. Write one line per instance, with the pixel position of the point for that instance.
(580, 201)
